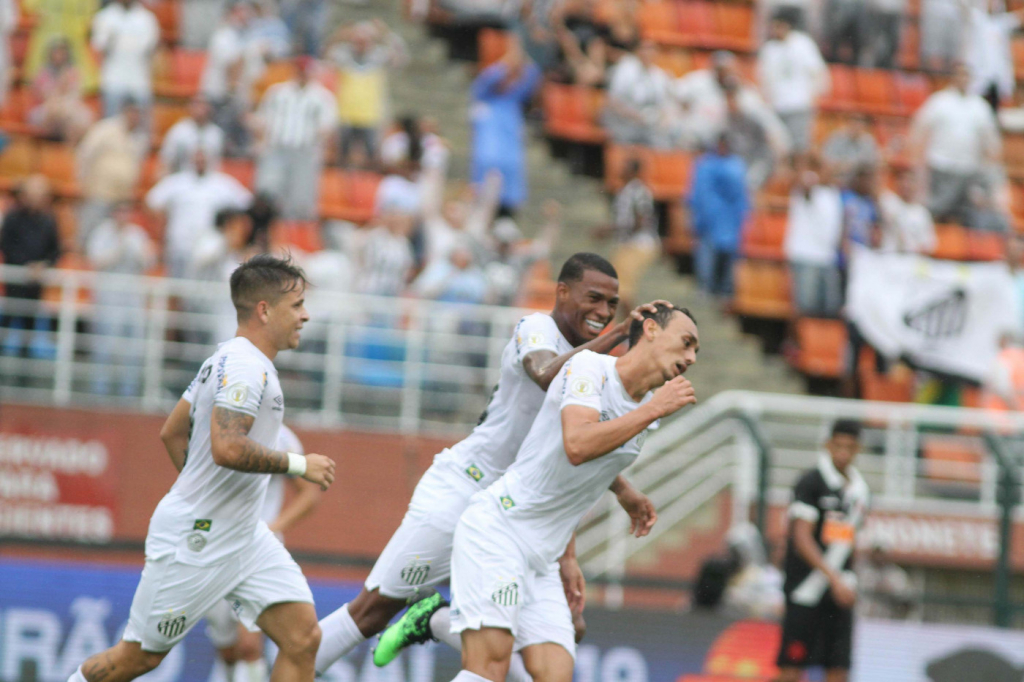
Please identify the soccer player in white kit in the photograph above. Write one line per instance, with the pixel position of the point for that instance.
(239, 649)
(206, 541)
(418, 554)
(591, 426)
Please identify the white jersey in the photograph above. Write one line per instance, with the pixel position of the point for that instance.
(212, 512)
(487, 452)
(543, 496)
(287, 441)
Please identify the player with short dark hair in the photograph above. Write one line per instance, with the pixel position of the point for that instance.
(828, 508)
(418, 555)
(206, 541)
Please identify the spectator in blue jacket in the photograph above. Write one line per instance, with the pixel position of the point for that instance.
(500, 93)
(719, 206)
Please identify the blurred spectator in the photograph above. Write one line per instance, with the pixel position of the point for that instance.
(126, 34)
(814, 233)
(295, 123)
(885, 23)
(268, 37)
(885, 588)
(845, 30)
(850, 146)
(223, 82)
(635, 229)
(60, 111)
(68, 19)
(262, 213)
(637, 110)
(620, 25)
(536, 32)
(802, 14)
(215, 256)
(463, 218)
(955, 134)
(861, 219)
(197, 20)
(513, 256)
(29, 237)
(984, 212)
(754, 590)
(109, 164)
(399, 191)
(499, 94)
(363, 54)
(989, 59)
(755, 133)
(412, 138)
(907, 225)
(701, 94)
(793, 76)
(719, 207)
(189, 200)
(455, 279)
(306, 19)
(195, 131)
(941, 31)
(119, 246)
(8, 23)
(582, 41)
(386, 259)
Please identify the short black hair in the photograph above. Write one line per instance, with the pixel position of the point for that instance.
(662, 314)
(847, 427)
(264, 278)
(225, 215)
(579, 263)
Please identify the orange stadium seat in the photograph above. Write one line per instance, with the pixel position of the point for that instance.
(67, 221)
(735, 27)
(571, 112)
(953, 242)
(1017, 47)
(909, 56)
(615, 158)
(165, 116)
(668, 174)
(674, 62)
(764, 236)
(167, 15)
(149, 175)
(951, 458)
(659, 21)
(17, 161)
(697, 23)
(843, 95)
(57, 162)
(876, 92)
(242, 170)
(678, 238)
(986, 245)
(14, 114)
(19, 47)
(491, 45)
(822, 345)
(912, 89)
(303, 235)
(762, 289)
(875, 386)
(348, 195)
(179, 73)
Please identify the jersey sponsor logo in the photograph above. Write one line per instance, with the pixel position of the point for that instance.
(506, 594)
(535, 339)
(204, 374)
(473, 471)
(582, 387)
(507, 502)
(416, 572)
(278, 403)
(237, 394)
(202, 524)
(196, 541)
(171, 626)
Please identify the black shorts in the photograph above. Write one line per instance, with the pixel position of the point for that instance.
(816, 636)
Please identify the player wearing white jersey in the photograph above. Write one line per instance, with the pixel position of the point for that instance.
(240, 649)
(591, 426)
(206, 541)
(418, 554)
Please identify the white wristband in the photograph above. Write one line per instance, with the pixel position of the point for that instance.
(296, 464)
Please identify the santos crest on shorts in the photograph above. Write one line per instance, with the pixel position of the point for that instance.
(543, 496)
(211, 512)
(486, 453)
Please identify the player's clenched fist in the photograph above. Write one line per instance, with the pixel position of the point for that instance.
(675, 394)
(319, 470)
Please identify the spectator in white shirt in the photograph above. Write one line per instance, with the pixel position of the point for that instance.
(941, 34)
(792, 76)
(907, 226)
(849, 147)
(814, 234)
(126, 34)
(8, 22)
(215, 256)
(701, 95)
(638, 108)
(386, 259)
(755, 133)
(196, 131)
(956, 135)
(119, 246)
(988, 54)
(296, 120)
(190, 200)
(224, 81)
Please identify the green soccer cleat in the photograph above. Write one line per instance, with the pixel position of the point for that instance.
(412, 628)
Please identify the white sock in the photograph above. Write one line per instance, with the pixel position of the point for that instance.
(441, 628)
(517, 670)
(251, 671)
(339, 635)
(466, 676)
(77, 676)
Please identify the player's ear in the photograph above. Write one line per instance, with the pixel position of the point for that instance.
(561, 291)
(263, 311)
(651, 328)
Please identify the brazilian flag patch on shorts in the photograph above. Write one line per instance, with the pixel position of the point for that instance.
(202, 524)
(507, 502)
(473, 471)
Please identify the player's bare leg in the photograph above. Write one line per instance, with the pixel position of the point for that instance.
(548, 662)
(372, 611)
(486, 653)
(249, 663)
(120, 663)
(294, 629)
(363, 617)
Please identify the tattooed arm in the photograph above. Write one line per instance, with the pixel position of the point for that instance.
(233, 449)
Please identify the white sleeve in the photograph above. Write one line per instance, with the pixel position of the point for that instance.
(240, 384)
(152, 31)
(169, 147)
(159, 197)
(200, 378)
(583, 381)
(235, 194)
(534, 333)
(100, 31)
(328, 112)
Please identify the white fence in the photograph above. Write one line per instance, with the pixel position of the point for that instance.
(369, 362)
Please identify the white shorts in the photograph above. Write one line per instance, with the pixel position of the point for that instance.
(172, 597)
(222, 625)
(493, 584)
(419, 554)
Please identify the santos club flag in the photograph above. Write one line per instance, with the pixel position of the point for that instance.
(939, 315)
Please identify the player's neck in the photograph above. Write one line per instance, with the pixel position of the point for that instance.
(262, 344)
(566, 329)
(638, 376)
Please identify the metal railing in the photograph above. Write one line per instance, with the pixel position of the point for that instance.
(369, 362)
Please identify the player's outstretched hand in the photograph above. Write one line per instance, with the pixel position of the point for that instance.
(319, 470)
(675, 394)
(642, 514)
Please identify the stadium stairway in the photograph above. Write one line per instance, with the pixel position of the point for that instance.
(432, 85)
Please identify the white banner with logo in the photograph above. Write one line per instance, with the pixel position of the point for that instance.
(940, 315)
